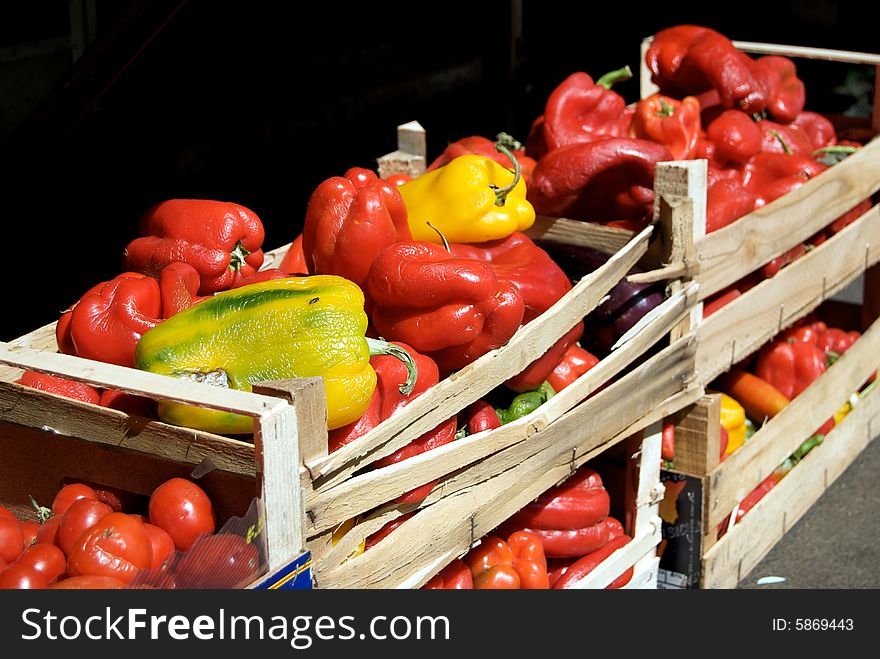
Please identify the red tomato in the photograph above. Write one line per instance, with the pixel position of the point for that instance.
(44, 559)
(183, 509)
(11, 539)
(82, 515)
(70, 493)
(162, 544)
(5, 513)
(219, 561)
(48, 532)
(118, 499)
(22, 577)
(29, 530)
(117, 546)
(89, 583)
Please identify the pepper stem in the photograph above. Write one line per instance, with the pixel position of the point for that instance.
(836, 149)
(501, 193)
(785, 146)
(442, 237)
(237, 256)
(666, 110)
(509, 141)
(43, 513)
(382, 347)
(618, 75)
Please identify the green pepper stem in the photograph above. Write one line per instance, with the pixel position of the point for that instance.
(43, 513)
(618, 75)
(666, 110)
(382, 347)
(501, 193)
(509, 141)
(836, 149)
(237, 256)
(785, 146)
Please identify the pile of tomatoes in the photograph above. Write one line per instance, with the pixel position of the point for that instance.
(87, 540)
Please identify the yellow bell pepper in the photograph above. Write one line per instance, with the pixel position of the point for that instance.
(733, 420)
(282, 328)
(472, 199)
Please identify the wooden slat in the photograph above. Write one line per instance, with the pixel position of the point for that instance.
(362, 493)
(644, 575)
(477, 379)
(609, 240)
(741, 472)
(624, 558)
(698, 436)
(734, 555)
(746, 323)
(734, 251)
(500, 485)
(807, 52)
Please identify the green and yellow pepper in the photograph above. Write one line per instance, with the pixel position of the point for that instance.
(470, 200)
(282, 328)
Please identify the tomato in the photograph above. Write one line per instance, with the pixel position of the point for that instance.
(89, 583)
(48, 532)
(183, 509)
(162, 544)
(44, 559)
(117, 546)
(5, 513)
(219, 561)
(70, 493)
(22, 577)
(82, 515)
(29, 530)
(11, 539)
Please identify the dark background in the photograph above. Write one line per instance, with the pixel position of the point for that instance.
(257, 102)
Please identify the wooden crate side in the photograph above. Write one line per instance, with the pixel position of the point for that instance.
(608, 240)
(732, 252)
(644, 575)
(743, 547)
(742, 471)
(698, 436)
(746, 323)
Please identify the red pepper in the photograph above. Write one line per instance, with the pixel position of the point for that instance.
(263, 275)
(579, 110)
(609, 179)
(60, 386)
(483, 146)
(849, 217)
(455, 576)
(753, 497)
(179, 284)
(398, 179)
(581, 501)
(790, 366)
(691, 59)
(491, 563)
(536, 147)
(836, 341)
(788, 95)
(529, 560)
(294, 261)
(375, 538)
(452, 308)
(556, 567)
(221, 240)
(128, 403)
(108, 320)
(574, 363)
(771, 175)
(785, 138)
(589, 562)
(736, 136)
(562, 543)
(777, 263)
(719, 299)
(667, 441)
(727, 200)
(481, 415)
(673, 123)
(386, 400)
(818, 128)
(707, 150)
(349, 220)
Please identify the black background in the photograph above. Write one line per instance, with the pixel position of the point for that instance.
(257, 102)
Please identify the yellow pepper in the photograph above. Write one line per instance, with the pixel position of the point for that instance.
(282, 328)
(733, 420)
(840, 414)
(472, 199)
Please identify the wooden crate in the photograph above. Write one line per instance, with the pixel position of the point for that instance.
(483, 479)
(725, 561)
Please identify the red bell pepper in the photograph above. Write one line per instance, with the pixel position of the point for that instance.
(581, 501)
(579, 110)
(529, 560)
(574, 363)
(389, 527)
(667, 441)
(536, 147)
(727, 200)
(398, 179)
(109, 319)
(673, 123)
(455, 576)
(818, 128)
(451, 308)
(691, 59)
(771, 175)
(179, 284)
(349, 220)
(221, 240)
(609, 179)
(562, 543)
(386, 400)
(775, 264)
(790, 366)
(556, 567)
(849, 217)
(129, 403)
(589, 562)
(787, 95)
(736, 136)
(492, 565)
(294, 261)
(836, 341)
(481, 415)
(714, 302)
(785, 138)
(59, 386)
(483, 146)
